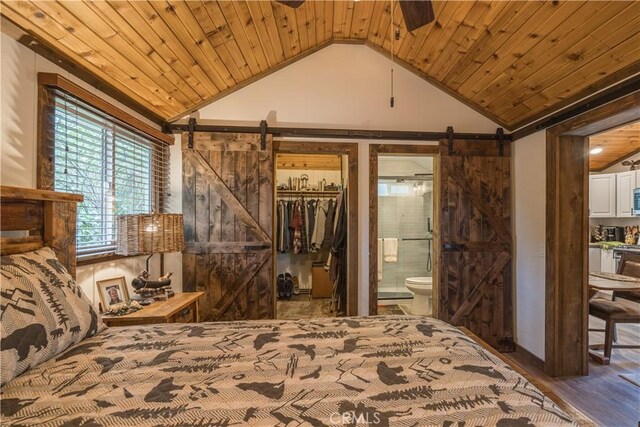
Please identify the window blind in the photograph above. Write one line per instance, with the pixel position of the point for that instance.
(118, 169)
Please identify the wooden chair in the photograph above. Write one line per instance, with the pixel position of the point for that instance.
(614, 312)
(629, 266)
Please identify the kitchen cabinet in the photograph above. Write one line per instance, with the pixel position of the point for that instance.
(602, 195)
(595, 259)
(608, 263)
(625, 183)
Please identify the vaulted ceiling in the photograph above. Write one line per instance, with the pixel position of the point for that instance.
(617, 145)
(514, 61)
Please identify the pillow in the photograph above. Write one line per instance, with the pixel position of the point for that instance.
(42, 311)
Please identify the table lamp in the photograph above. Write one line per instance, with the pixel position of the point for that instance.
(142, 234)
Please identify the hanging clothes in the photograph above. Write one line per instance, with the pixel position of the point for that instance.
(279, 228)
(296, 228)
(331, 266)
(328, 230)
(305, 226)
(289, 222)
(304, 229)
(311, 222)
(318, 230)
(337, 263)
(283, 234)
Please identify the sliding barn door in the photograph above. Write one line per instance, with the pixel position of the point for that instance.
(227, 202)
(475, 232)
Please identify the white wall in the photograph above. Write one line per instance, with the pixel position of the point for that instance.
(347, 86)
(18, 121)
(529, 204)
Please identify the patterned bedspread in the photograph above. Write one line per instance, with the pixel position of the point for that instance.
(391, 370)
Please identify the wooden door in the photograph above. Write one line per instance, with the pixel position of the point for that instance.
(227, 202)
(475, 231)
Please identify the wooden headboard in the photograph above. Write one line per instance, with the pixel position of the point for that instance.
(49, 218)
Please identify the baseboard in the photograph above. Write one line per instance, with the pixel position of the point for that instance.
(530, 358)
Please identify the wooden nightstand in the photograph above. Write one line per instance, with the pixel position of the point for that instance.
(182, 308)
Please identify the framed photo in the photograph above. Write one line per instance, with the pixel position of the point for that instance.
(112, 291)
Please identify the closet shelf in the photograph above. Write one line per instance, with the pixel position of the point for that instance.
(306, 192)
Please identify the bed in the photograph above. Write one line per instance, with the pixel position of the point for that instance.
(381, 370)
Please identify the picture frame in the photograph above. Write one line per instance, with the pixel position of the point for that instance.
(112, 291)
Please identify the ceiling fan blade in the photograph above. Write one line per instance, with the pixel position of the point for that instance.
(291, 3)
(416, 13)
(626, 163)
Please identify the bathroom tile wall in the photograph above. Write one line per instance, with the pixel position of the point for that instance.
(404, 217)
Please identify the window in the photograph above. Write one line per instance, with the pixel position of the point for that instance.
(116, 167)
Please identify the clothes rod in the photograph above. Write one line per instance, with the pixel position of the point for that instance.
(409, 238)
(428, 177)
(333, 133)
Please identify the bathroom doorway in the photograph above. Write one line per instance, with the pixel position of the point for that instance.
(403, 256)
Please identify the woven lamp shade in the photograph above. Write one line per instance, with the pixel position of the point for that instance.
(150, 234)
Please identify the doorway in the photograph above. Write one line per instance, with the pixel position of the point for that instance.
(567, 233)
(402, 222)
(315, 275)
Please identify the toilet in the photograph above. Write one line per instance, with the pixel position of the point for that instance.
(422, 288)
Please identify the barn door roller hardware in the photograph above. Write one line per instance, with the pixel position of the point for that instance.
(263, 135)
(450, 135)
(192, 129)
(500, 135)
(365, 134)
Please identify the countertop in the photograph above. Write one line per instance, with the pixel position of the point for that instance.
(616, 245)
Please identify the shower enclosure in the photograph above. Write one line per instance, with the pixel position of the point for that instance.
(405, 213)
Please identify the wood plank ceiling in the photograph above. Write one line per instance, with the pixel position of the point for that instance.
(514, 61)
(617, 145)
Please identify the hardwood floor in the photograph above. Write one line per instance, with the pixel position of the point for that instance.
(603, 395)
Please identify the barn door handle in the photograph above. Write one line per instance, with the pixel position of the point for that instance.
(452, 246)
(256, 247)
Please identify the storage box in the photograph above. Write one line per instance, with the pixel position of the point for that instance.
(321, 286)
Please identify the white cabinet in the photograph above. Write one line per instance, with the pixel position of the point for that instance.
(608, 264)
(602, 195)
(625, 183)
(595, 259)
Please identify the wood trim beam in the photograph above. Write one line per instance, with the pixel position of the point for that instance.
(620, 91)
(19, 193)
(16, 245)
(59, 82)
(567, 218)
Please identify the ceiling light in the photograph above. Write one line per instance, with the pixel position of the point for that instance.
(596, 150)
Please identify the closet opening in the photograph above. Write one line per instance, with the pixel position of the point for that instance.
(315, 223)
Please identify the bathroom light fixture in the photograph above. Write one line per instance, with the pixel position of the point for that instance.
(596, 150)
